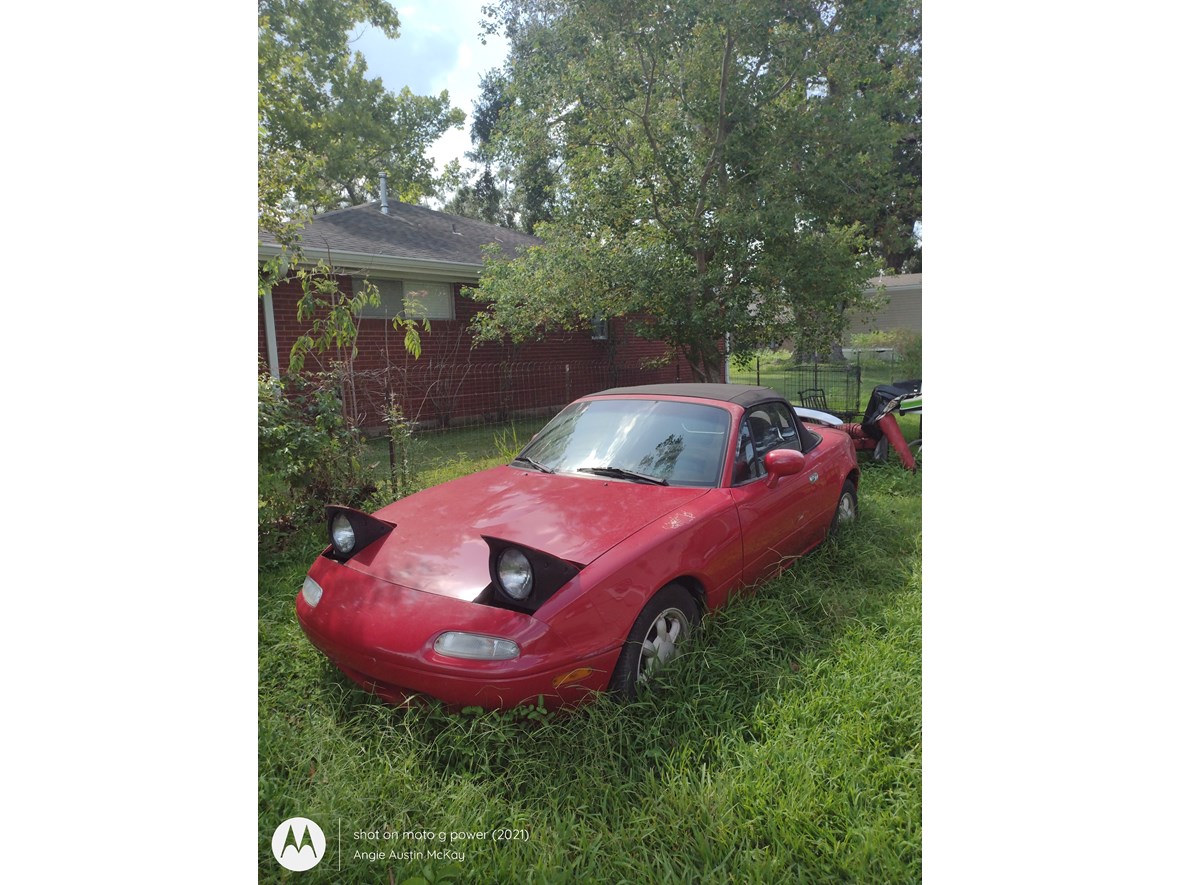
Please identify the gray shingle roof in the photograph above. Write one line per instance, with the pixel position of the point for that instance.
(408, 231)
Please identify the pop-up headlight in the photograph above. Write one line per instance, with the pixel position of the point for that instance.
(515, 573)
(343, 535)
(523, 577)
(352, 530)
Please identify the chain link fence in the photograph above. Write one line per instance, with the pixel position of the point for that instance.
(426, 415)
(842, 388)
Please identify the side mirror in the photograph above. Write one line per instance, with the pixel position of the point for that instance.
(783, 462)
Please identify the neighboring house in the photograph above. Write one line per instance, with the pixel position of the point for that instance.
(408, 249)
(901, 305)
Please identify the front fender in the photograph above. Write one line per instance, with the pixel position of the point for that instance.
(701, 541)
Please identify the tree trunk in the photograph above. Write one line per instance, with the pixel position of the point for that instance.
(707, 365)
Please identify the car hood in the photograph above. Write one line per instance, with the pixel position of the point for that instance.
(438, 547)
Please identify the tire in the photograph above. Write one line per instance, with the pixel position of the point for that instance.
(659, 633)
(846, 507)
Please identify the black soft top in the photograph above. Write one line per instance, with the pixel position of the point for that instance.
(882, 395)
(741, 394)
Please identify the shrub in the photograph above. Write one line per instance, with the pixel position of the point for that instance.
(308, 455)
(910, 352)
(400, 437)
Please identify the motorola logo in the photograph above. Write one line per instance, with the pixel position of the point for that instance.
(298, 844)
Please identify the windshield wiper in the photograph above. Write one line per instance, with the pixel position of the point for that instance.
(536, 465)
(621, 473)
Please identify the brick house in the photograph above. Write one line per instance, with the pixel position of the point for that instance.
(410, 249)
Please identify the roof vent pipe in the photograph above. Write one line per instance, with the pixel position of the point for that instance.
(384, 194)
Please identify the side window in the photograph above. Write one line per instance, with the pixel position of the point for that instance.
(746, 463)
(788, 434)
(765, 427)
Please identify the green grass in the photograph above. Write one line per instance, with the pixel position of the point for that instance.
(785, 745)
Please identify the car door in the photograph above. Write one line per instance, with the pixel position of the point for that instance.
(777, 518)
(825, 474)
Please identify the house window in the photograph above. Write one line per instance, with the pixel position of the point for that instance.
(391, 299)
(432, 301)
(599, 328)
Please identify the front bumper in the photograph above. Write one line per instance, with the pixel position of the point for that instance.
(381, 635)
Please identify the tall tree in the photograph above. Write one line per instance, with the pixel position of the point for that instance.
(681, 138)
(324, 122)
(866, 159)
(517, 185)
(480, 195)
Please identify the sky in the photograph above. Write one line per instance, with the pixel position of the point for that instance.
(439, 48)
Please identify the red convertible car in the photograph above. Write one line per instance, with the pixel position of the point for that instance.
(585, 563)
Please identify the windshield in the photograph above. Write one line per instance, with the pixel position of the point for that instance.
(677, 443)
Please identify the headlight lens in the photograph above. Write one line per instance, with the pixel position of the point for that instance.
(476, 647)
(515, 573)
(311, 591)
(343, 535)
